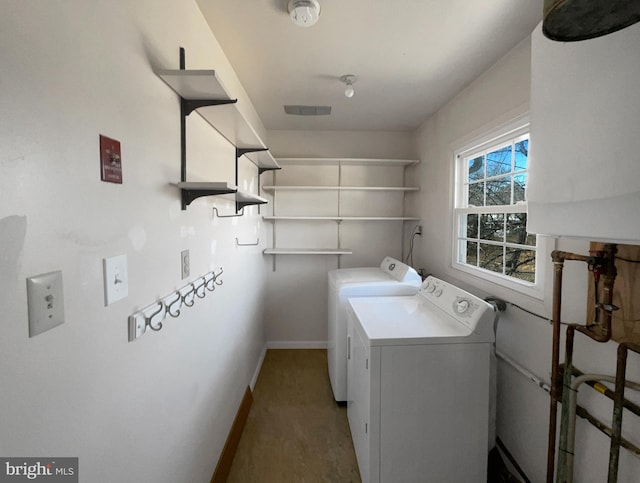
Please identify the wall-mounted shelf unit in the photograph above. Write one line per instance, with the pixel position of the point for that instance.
(195, 189)
(346, 162)
(248, 199)
(307, 251)
(192, 190)
(202, 91)
(270, 188)
(340, 218)
(341, 190)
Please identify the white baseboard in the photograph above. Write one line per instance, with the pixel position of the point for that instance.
(297, 344)
(256, 373)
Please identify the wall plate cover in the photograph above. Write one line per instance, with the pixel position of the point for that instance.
(45, 302)
(137, 326)
(185, 264)
(116, 280)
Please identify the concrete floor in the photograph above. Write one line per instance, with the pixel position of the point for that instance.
(295, 431)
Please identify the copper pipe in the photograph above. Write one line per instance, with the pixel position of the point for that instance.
(626, 444)
(564, 418)
(601, 332)
(560, 256)
(558, 265)
(618, 402)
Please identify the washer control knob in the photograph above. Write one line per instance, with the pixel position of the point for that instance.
(431, 288)
(438, 292)
(461, 306)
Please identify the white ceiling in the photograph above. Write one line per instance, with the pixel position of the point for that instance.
(410, 56)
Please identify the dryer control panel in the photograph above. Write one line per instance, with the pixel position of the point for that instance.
(398, 270)
(468, 309)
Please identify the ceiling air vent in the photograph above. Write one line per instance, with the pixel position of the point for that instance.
(308, 110)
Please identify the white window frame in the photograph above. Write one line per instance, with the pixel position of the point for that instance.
(486, 143)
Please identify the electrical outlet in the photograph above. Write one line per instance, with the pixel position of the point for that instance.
(116, 280)
(184, 263)
(45, 302)
(418, 230)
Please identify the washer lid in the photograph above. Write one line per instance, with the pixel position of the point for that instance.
(412, 320)
(343, 276)
(381, 288)
(406, 321)
(390, 269)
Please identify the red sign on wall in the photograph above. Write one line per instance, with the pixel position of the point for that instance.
(110, 160)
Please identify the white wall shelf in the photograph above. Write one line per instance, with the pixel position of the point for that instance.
(271, 188)
(316, 190)
(339, 218)
(307, 251)
(202, 91)
(345, 162)
(195, 189)
(243, 199)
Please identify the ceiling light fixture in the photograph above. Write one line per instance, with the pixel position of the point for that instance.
(304, 13)
(349, 80)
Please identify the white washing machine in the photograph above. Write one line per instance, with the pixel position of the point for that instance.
(418, 395)
(392, 277)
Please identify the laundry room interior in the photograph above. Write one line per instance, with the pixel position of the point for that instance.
(192, 188)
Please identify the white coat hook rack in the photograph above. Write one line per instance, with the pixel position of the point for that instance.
(238, 244)
(240, 213)
(153, 315)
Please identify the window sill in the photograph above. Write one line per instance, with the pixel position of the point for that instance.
(535, 298)
(482, 277)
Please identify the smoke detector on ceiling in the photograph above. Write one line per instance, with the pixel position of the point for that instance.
(304, 13)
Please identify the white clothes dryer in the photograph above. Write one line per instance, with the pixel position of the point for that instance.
(392, 277)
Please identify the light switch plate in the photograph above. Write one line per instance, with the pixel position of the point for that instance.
(116, 281)
(45, 302)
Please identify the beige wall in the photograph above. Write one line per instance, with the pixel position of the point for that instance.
(157, 409)
(498, 96)
(296, 305)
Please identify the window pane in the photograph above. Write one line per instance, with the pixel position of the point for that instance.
(476, 168)
(491, 257)
(492, 227)
(472, 226)
(531, 240)
(472, 253)
(517, 228)
(519, 185)
(499, 161)
(521, 154)
(491, 181)
(499, 191)
(476, 194)
(521, 264)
